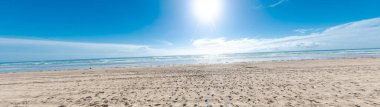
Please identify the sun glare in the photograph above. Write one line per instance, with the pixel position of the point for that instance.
(207, 11)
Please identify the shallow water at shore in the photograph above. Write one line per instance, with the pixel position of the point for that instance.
(183, 59)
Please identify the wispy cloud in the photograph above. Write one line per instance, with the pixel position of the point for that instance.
(167, 43)
(360, 34)
(278, 3)
(29, 49)
(302, 31)
(221, 45)
(11, 41)
(308, 30)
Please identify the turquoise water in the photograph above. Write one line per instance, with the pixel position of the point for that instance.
(183, 59)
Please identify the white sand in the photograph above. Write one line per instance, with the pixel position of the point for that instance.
(338, 82)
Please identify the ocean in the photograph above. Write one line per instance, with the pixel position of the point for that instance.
(49, 65)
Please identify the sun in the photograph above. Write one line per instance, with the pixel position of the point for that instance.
(207, 11)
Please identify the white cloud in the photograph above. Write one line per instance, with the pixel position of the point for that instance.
(167, 43)
(28, 49)
(11, 41)
(301, 31)
(361, 34)
(278, 3)
(221, 45)
(308, 30)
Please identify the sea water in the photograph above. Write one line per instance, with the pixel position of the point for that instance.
(183, 59)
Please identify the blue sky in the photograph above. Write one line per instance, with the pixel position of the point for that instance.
(70, 29)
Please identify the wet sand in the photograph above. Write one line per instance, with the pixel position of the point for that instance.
(332, 82)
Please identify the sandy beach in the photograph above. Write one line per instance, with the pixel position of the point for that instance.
(330, 82)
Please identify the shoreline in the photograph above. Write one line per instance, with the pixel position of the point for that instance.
(173, 65)
(322, 82)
